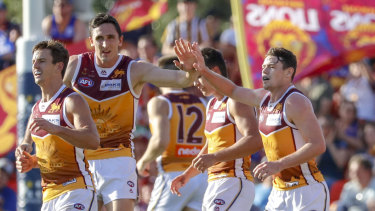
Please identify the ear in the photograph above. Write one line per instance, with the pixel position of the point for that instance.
(91, 42)
(60, 66)
(121, 40)
(289, 72)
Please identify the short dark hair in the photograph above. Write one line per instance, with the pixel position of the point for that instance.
(166, 62)
(58, 52)
(363, 159)
(212, 58)
(103, 18)
(286, 57)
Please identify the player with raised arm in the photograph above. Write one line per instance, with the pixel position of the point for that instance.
(290, 132)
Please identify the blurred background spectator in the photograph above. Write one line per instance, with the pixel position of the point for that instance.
(9, 33)
(361, 186)
(187, 26)
(8, 198)
(63, 25)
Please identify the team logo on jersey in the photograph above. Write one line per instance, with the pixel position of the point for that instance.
(54, 108)
(118, 73)
(130, 183)
(218, 117)
(219, 201)
(278, 107)
(110, 85)
(85, 82)
(79, 206)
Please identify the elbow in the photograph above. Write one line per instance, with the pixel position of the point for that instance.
(321, 149)
(94, 144)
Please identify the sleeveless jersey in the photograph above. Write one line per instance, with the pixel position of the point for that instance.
(112, 102)
(67, 35)
(281, 138)
(63, 167)
(221, 132)
(186, 118)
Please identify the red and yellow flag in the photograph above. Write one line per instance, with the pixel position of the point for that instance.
(8, 109)
(133, 14)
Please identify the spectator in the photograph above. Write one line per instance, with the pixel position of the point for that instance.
(358, 89)
(369, 137)
(347, 126)
(9, 33)
(63, 25)
(147, 49)
(334, 160)
(361, 186)
(8, 198)
(187, 26)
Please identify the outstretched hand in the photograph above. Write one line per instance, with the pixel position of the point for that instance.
(183, 50)
(199, 64)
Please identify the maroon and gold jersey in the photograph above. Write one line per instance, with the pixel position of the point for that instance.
(221, 132)
(112, 102)
(281, 138)
(63, 167)
(186, 117)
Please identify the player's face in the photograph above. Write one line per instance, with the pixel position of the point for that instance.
(43, 68)
(106, 42)
(272, 72)
(205, 87)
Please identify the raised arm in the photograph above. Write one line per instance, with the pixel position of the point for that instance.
(250, 143)
(157, 110)
(83, 135)
(142, 72)
(226, 86)
(300, 112)
(70, 70)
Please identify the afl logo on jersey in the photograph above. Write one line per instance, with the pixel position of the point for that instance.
(130, 183)
(219, 201)
(79, 206)
(85, 82)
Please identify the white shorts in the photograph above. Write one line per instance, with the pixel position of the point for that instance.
(313, 197)
(230, 193)
(114, 178)
(79, 199)
(191, 194)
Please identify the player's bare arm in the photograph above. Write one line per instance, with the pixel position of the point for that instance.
(158, 111)
(250, 143)
(299, 112)
(84, 135)
(70, 70)
(142, 72)
(181, 180)
(225, 86)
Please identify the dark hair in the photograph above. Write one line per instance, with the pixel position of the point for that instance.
(149, 38)
(102, 18)
(286, 57)
(363, 159)
(212, 58)
(166, 62)
(58, 52)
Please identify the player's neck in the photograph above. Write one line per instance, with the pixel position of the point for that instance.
(278, 92)
(107, 64)
(49, 90)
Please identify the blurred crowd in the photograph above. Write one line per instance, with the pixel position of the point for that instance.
(343, 100)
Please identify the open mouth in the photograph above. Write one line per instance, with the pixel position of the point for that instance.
(37, 73)
(265, 78)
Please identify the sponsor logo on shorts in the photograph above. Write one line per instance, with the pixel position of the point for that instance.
(219, 201)
(130, 183)
(69, 182)
(187, 151)
(85, 82)
(79, 206)
(291, 184)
